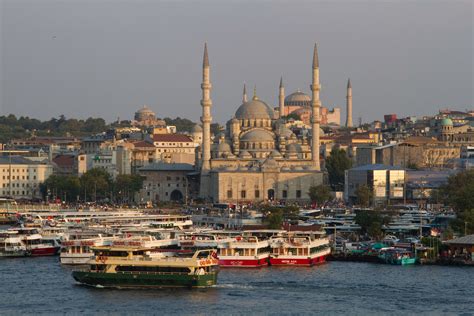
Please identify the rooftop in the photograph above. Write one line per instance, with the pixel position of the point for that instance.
(161, 166)
(377, 167)
(466, 240)
(172, 138)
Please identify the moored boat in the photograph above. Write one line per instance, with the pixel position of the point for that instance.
(11, 245)
(397, 256)
(299, 249)
(244, 252)
(133, 267)
(34, 243)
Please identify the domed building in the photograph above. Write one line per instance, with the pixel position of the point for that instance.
(446, 129)
(146, 117)
(299, 103)
(257, 159)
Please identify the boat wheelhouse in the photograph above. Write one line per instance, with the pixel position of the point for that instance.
(299, 249)
(134, 267)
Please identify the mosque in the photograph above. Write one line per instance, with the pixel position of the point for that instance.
(258, 158)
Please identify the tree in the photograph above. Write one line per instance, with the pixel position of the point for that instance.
(96, 184)
(371, 222)
(319, 194)
(458, 193)
(275, 215)
(293, 116)
(274, 220)
(65, 187)
(126, 185)
(364, 195)
(336, 164)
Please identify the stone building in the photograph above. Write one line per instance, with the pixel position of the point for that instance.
(166, 182)
(20, 178)
(258, 158)
(415, 151)
(145, 117)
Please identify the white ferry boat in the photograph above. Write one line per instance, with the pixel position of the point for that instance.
(299, 249)
(244, 252)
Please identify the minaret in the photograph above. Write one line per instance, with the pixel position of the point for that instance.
(206, 118)
(281, 98)
(315, 105)
(244, 95)
(349, 104)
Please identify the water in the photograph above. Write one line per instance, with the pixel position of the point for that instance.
(42, 286)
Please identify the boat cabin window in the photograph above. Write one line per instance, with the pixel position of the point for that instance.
(143, 269)
(108, 253)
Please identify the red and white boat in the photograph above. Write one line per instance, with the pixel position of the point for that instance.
(299, 249)
(244, 252)
(33, 241)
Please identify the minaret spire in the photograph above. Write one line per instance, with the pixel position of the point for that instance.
(315, 57)
(315, 105)
(244, 95)
(349, 104)
(205, 60)
(281, 99)
(206, 118)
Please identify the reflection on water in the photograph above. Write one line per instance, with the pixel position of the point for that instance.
(41, 285)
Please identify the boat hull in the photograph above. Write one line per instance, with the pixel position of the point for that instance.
(297, 261)
(243, 262)
(16, 253)
(82, 259)
(136, 280)
(43, 251)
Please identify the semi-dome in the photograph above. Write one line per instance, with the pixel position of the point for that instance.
(257, 135)
(275, 154)
(245, 154)
(294, 148)
(196, 129)
(446, 122)
(224, 147)
(285, 131)
(298, 98)
(254, 109)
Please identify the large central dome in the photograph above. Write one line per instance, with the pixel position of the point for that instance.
(298, 98)
(254, 109)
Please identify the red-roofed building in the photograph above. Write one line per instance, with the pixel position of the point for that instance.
(65, 164)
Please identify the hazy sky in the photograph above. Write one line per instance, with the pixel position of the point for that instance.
(108, 58)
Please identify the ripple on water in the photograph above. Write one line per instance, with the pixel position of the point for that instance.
(42, 286)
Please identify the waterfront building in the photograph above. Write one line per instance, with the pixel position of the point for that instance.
(414, 151)
(462, 247)
(385, 182)
(165, 182)
(20, 177)
(258, 158)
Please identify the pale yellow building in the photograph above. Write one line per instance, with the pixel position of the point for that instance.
(20, 178)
